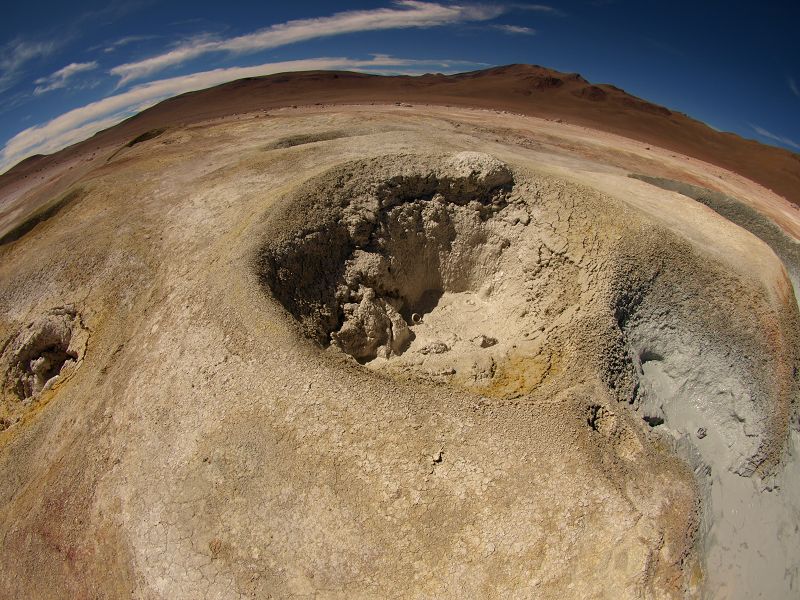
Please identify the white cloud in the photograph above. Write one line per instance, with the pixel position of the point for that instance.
(405, 14)
(793, 86)
(77, 124)
(536, 7)
(15, 54)
(774, 137)
(59, 79)
(516, 29)
(113, 46)
(542, 8)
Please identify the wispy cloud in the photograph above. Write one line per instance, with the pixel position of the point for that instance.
(543, 8)
(13, 100)
(405, 14)
(82, 122)
(117, 44)
(774, 137)
(59, 79)
(515, 29)
(537, 8)
(793, 86)
(16, 54)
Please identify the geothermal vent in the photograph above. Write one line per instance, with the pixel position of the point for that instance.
(41, 354)
(418, 267)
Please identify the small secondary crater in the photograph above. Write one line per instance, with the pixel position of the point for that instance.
(42, 353)
(305, 138)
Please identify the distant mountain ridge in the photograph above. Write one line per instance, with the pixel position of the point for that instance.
(526, 89)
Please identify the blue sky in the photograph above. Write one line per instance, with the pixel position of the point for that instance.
(70, 69)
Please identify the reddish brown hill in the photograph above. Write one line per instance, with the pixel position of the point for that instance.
(524, 89)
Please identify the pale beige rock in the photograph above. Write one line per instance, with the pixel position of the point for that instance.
(211, 441)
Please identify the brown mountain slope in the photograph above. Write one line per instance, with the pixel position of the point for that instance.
(525, 89)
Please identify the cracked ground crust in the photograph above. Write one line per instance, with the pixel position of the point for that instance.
(206, 449)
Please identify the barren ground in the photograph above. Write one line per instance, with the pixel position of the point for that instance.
(396, 351)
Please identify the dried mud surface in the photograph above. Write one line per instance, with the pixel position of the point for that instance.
(388, 351)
